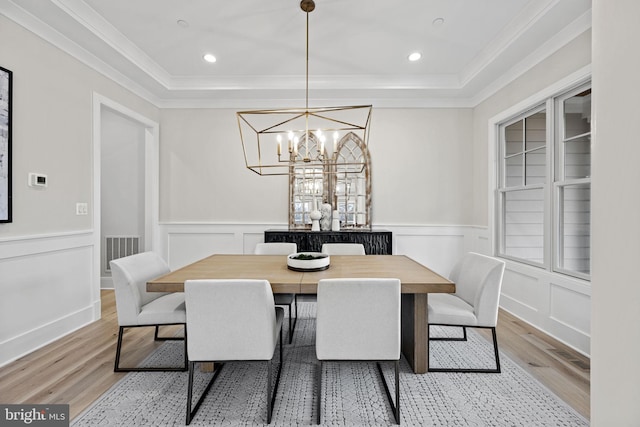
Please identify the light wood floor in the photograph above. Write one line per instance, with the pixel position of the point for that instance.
(78, 368)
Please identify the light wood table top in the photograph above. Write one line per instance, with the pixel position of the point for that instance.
(270, 267)
(415, 277)
(417, 281)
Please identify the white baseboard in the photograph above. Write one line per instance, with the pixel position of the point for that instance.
(25, 343)
(48, 290)
(54, 277)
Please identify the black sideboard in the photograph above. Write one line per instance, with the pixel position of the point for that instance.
(376, 242)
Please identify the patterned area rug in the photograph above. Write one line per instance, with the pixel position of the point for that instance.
(353, 394)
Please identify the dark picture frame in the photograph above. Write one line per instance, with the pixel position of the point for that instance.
(6, 83)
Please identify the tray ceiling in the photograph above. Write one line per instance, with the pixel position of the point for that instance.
(358, 49)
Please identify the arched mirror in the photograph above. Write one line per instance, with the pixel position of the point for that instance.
(344, 183)
(351, 182)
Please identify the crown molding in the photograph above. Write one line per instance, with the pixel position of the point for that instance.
(102, 29)
(561, 39)
(320, 82)
(525, 20)
(376, 101)
(419, 91)
(50, 35)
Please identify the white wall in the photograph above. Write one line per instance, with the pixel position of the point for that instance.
(554, 303)
(574, 56)
(122, 179)
(615, 371)
(421, 169)
(49, 283)
(429, 184)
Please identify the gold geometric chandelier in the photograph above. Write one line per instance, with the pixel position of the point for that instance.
(275, 142)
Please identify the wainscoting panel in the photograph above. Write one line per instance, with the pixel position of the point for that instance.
(250, 240)
(189, 247)
(521, 293)
(562, 310)
(437, 247)
(556, 304)
(47, 290)
(570, 314)
(183, 244)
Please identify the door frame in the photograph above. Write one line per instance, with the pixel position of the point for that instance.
(152, 178)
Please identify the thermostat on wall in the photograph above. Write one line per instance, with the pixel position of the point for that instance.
(37, 180)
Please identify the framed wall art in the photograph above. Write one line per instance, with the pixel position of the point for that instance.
(5, 144)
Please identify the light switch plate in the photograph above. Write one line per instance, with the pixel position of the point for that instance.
(82, 209)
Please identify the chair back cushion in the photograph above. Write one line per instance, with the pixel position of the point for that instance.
(358, 319)
(130, 276)
(343, 249)
(478, 280)
(230, 320)
(276, 248)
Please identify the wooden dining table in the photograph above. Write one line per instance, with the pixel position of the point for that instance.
(417, 281)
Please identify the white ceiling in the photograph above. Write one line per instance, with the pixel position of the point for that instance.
(357, 48)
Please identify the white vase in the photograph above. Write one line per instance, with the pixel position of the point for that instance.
(335, 223)
(325, 220)
(315, 220)
(315, 216)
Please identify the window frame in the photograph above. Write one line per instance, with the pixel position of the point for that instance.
(502, 190)
(553, 185)
(560, 182)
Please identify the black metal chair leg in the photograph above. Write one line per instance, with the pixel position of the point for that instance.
(495, 349)
(290, 325)
(463, 338)
(293, 320)
(269, 402)
(397, 413)
(319, 393)
(191, 413)
(497, 369)
(395, 408)
(271, 397)
(189, 393)
(156, 336)
(117, 368)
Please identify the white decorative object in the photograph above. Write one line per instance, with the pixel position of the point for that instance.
(360, 206)
(315, 216)
(308, 261)
(325, 220)
(335, 223)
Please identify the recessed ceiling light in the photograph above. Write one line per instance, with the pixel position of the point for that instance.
(209, 58)
(415, 56)
(438, 22)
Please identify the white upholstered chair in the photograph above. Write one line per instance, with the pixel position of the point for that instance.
(478, 280)
(138, 308)
(359, 320)
(343, 249)
(282, 248)
(232, 320)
